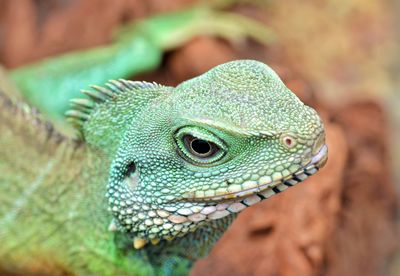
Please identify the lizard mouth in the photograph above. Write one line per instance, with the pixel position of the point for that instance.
(267, 187)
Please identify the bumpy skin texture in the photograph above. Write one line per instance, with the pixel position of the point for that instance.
(181, 162)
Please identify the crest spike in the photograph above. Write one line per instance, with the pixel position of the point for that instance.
(95, 96)
(77, 114)
(82, 102)
(104, 91)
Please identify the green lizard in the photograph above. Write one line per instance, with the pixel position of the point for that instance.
(61, 207)
(159, 177)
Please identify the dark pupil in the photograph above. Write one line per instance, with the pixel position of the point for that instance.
(200, 146)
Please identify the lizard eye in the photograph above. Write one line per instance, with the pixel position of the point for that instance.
(199, 146)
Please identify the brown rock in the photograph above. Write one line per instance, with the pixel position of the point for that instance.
(366, 234)
(194, 58)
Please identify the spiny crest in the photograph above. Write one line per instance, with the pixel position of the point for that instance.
(82, 108)
(30, 119)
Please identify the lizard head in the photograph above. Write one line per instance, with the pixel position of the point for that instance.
(209, 148)
(215, 145)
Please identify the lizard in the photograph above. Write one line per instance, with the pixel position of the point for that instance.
(159, 175)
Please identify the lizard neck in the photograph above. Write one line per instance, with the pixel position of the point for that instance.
(179, 254)
(64, 188)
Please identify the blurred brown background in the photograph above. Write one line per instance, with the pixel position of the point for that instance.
(340, 57)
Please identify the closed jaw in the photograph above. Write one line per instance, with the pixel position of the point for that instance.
(277, 182)
(254, 192)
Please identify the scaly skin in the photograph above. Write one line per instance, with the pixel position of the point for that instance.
(50, 84)
(140, 149)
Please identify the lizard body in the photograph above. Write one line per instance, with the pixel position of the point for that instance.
(165, 168)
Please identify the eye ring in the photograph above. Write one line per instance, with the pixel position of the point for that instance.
(288, 141)
(199, 147)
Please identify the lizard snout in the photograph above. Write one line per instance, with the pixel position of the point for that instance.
(319, 143)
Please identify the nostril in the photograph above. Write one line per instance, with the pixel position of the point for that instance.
(288, 141)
